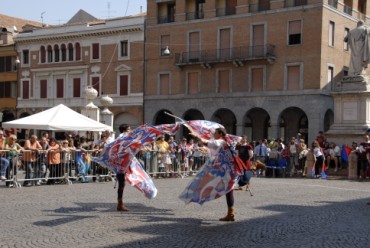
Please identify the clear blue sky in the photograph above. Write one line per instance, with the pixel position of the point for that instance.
(60, 11)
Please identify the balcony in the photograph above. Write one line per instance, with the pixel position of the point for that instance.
(194, 15)
(333, 3)
(225, 11)
(166, 19)
(295, 3)
(348, 10)
(237, 55)
(262, 6)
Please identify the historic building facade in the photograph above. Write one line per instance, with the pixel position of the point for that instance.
(58, 63)
(262, 68)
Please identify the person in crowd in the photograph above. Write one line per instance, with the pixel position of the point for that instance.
(319, 158)
(363, 151)
(42, 160)
(302, 154)
(293, 158)
(66, 158)
(4, 163)
(164, 159)
(108, 134)
(333, 155)
(31, 149)
(82, 161)
(260, 151)
(173, 154)
(321, 139)
(190, 148)
(84, 143)
(124, 130)
(245, 152)
(199, 155)
(13, 150)
(53, 158)
(184, 157)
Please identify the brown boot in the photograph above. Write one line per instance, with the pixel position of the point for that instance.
(230, 215)
(120, 206)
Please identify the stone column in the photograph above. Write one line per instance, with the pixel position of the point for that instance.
(106, 114)
(91, 110)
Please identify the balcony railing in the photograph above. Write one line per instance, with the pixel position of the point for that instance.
(347, 10)
(263, 6)
(166, 19)
(333, 3)
(194, 15)
(294, 3)
(226, 11)
(236, 55)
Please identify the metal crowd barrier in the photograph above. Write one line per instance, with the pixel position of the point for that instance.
(35, 168)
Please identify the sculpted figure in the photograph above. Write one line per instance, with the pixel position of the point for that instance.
(358, 42)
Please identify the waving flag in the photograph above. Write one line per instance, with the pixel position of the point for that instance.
(214, 179)
(138, 178)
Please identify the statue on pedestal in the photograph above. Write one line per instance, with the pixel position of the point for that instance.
(358, 41)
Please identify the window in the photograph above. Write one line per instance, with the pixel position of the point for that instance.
(331, 33)
(164, 84)
(293, 77)
(77, 87)
(26, 89)
(42, 54)
(43, 88)
(223, 81)
(345, 71)
(60, 88)
(70, 52)
(194, 46)
(258, 40)
(56, 53)
(64, 52)
(295, 28)
(225, 43)
(345, 44)
(123, 85)
(26, 57)
(193, 87)
(95, 83)
(78, 51)
(95, 51)
(124, 48)
(257, 79)
(5, 90)
(330, 76)
(165, 42)
(50, 54)
(6, 64)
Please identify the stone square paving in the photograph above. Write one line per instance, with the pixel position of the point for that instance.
(284, 212)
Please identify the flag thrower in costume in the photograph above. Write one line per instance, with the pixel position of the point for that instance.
(119, 156)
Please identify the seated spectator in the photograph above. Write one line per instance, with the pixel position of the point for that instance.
(333, 155)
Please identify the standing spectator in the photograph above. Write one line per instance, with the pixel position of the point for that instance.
(13, 150)
(66, 157)
(53, 157)
(245, 152)
(321, 139)
(164, 159)
(4, 163)
(302, 154)
(293, 158)
(260, 152)
(44, 142)
(319, 158)
(183, 150)
(362, 151)
(31, 149)
(124, 130)
(173, 153)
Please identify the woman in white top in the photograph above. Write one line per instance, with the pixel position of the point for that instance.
(319, 157)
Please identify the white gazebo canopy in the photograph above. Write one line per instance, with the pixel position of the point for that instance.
(58, 118)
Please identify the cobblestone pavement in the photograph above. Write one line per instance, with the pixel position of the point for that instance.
(282, 213)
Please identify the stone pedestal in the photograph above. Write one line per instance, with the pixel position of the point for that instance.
(106, 114)
(351, 110)
(352, 166)
(310, 160)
